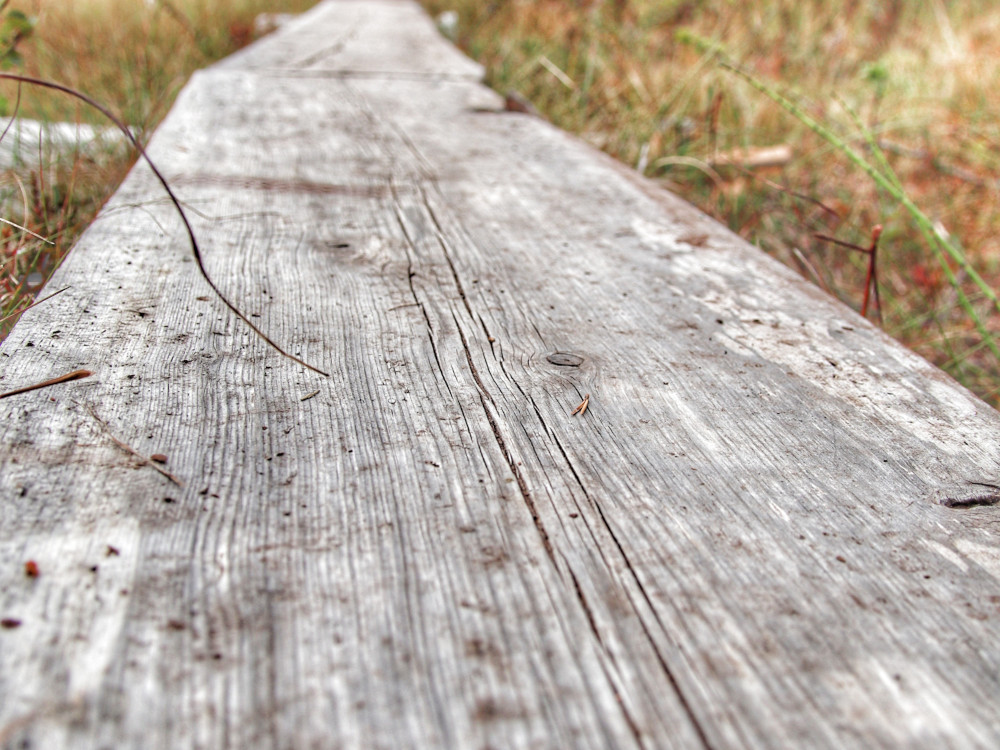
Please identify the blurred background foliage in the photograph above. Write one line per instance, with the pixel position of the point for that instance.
(133, 56)
(911, 82)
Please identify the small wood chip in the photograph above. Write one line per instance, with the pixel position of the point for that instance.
(309, 396)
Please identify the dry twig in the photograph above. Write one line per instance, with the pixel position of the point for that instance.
(195, 249)
(75, 375)
(144, 460)
(33, 304)
(871, 277)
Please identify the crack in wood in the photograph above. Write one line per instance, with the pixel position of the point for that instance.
(410, 274)
(522, 483)
(592, 622)
(485, 395)
(430, 326)
(971, 502)
(439, 231)
(686, 705)
(489, 337)
(274, 184)
(667, 671)
(978, 500)
(468, 358)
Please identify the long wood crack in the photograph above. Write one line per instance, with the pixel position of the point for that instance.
(633, 574)
(410, 274)
(522, 483)
(592, 621)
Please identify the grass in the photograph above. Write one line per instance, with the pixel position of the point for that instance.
(886, 109)
(133, 56)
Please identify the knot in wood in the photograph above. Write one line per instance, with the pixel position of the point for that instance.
(565, 359)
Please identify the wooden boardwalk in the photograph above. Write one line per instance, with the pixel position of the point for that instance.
(772, 526)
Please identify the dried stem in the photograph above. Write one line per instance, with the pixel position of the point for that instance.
(145, 460)
(75, 375)
(195, 249)
(871, 276)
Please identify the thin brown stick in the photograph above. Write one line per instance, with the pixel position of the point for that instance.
(786, 190)
(804, 262)
(195, 249)
(33, 304)
(17, 105)
(144, 460)
(835, 241)
(75, 375)
(871, 279)
(26, 231)
(871, 275)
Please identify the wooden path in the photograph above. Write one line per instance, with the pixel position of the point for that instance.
(772, 526)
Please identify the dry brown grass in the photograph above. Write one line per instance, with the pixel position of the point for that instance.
(133, 56)
(921, 75)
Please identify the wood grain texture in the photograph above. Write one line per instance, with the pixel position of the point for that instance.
(381, 39)
(773, 526)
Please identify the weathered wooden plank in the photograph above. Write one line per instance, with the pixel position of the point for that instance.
(741, 543)
(385, 38)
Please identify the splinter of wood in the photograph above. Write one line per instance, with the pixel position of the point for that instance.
(195, 249)
(144, 460)
(582, 408)
(75, 375)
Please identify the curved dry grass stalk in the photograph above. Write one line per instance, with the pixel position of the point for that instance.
(195, 249)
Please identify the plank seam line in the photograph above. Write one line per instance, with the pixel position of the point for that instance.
(331, 50)
(363, 75)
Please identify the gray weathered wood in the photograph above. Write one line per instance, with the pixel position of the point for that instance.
(744, 542)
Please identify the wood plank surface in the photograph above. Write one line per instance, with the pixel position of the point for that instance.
(772, 527)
